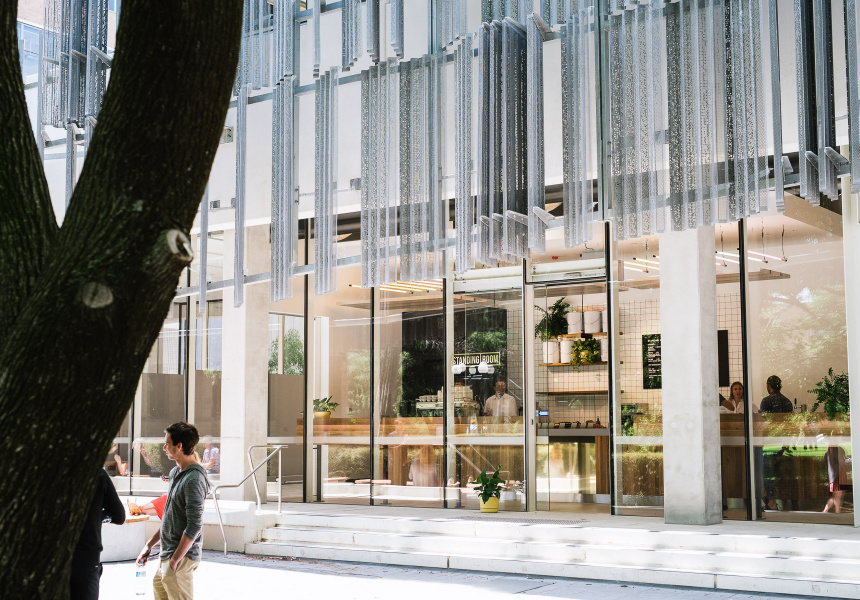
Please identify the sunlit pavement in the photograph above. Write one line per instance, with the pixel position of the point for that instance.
(249, 577)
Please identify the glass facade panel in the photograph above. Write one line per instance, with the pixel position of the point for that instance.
(797, 336)
(485, 412)
(160, 401)
(286, 391)
(572, 396)
(410, 364)
(638, 414)
(342, 349)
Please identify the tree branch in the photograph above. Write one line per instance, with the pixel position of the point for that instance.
(28, 227)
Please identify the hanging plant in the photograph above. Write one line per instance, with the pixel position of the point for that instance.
(554, 321)
(585, 352)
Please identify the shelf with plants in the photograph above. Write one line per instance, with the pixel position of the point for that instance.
(580, 335)
(594, 364)
(575, 393)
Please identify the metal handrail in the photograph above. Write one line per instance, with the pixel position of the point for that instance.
(276, 448)
(235, 485)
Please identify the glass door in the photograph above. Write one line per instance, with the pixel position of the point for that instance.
(572, 396)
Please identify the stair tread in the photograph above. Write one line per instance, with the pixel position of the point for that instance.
(268, 535)
(363, 550)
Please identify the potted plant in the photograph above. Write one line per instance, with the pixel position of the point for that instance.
(323, 407)
(585, 352)
(552, 324)
(832, 392)
(489, 488)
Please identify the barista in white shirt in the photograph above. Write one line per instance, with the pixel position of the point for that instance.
(500, 404)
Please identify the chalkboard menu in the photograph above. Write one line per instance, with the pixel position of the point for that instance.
(652, 374)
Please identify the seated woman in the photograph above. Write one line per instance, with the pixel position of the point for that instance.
(735, 403)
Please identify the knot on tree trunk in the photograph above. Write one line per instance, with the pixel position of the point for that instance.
(96, 295)
(180, 245)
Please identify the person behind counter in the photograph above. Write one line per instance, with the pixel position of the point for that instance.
(775, 402)
(501, 404)
(735, 403)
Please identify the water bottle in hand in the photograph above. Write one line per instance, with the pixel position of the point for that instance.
(140, 580)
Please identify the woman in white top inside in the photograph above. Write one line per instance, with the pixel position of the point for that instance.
(735, 402)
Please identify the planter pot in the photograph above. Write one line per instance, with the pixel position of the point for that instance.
(550, 352)
(574, 322)
(592, 321)
(564, 349)
(322, 414)
(490, 506)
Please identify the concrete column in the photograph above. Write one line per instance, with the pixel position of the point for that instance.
(691, 423)
(244, 377)
(850, 248)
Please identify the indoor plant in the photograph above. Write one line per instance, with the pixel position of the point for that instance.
(489, 488)
(552, 324)
(585, 352)
(323, 407)
(832, 391)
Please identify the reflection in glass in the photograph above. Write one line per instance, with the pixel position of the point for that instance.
(801, 451)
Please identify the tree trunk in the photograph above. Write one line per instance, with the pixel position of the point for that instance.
(81, 306)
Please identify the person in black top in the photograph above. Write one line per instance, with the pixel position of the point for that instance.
(775, 402)
(86, 561)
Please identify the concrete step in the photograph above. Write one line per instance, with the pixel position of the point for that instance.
(588, 568)
(559, 532)
(713, 561)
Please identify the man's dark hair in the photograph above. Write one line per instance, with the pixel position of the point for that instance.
(185, 434)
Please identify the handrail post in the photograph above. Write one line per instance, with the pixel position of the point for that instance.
(252, 474)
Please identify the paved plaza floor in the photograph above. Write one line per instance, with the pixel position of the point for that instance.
(250, 578)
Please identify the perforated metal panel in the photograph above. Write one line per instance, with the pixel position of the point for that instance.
(423, 211)
(241, 169)
(350, 38)
(379, 118)
(284, 227)
(577, 122)
(464, 202)
(325, 205)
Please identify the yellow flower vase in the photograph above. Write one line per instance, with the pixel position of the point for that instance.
(490, 506)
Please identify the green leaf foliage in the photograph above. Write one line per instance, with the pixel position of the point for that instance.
(585, 352)
(832, 392)
(554, 320)
(488, 486)
(324, 404)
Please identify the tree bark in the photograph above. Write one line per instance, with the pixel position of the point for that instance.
(81, 305)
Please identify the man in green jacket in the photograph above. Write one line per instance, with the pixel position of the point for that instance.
(182, 523)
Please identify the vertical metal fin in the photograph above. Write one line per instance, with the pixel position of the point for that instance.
(241, 156)
(464, 203)
(350, 27)
(379, 90)
(317, 48)
(396, 11)
(853, 61)
(536, 28)
(577, 124)
(828, 182)
(776, 105)
(372, 30)
(203, 262)
(806, 101)
(423, 210)
(325, 205)
(284, 219)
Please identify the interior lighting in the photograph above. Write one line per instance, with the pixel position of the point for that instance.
(483, 367)
(646, 261)
(640, 268)
(768, 256)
